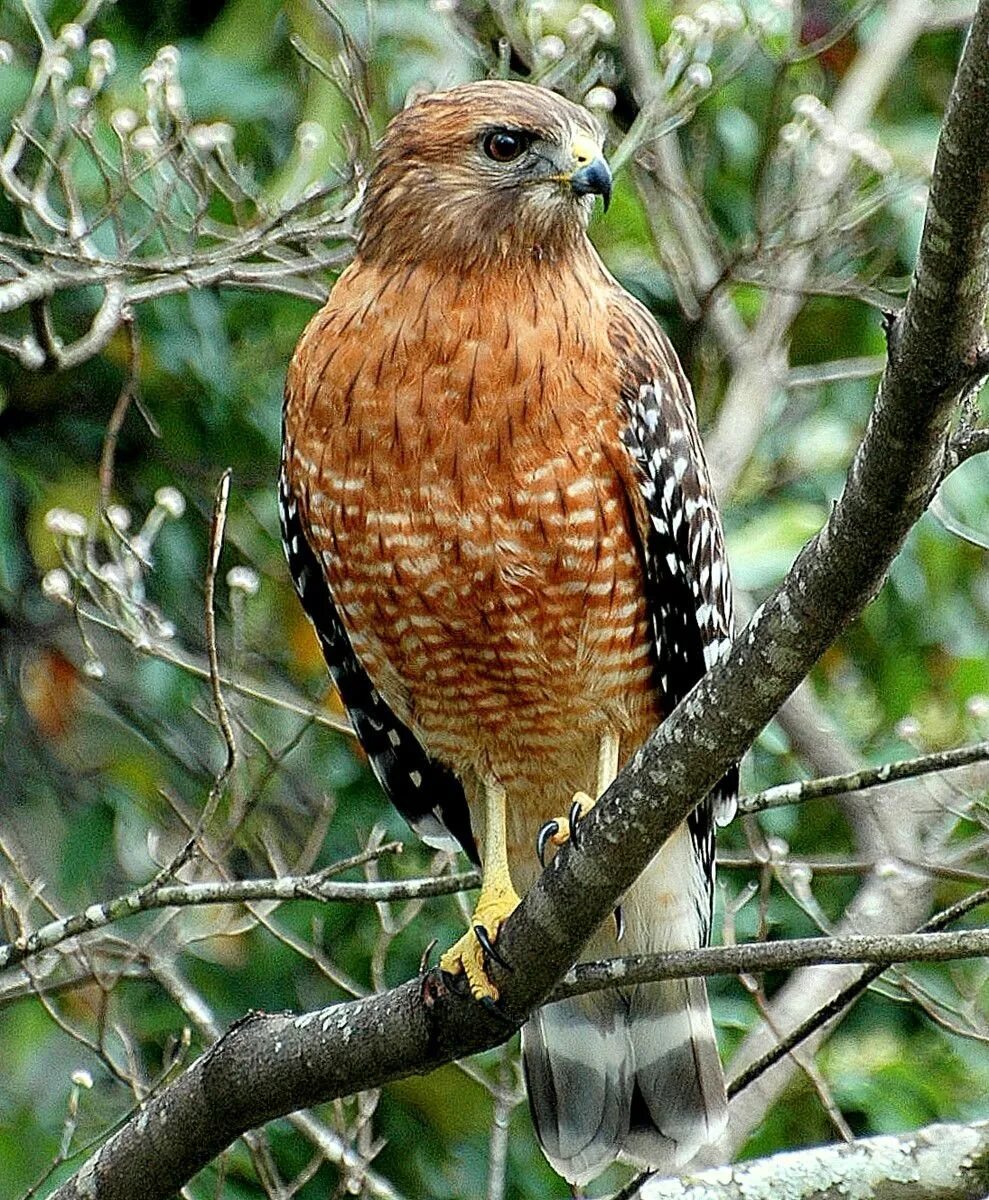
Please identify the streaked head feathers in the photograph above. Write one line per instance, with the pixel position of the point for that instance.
(490, 169)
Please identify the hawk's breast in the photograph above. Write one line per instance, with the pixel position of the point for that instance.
(461, 456)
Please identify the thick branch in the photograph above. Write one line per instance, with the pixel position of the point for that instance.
(940, 1162)
(423, 1023)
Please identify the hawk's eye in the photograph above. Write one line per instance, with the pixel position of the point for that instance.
(505, 145)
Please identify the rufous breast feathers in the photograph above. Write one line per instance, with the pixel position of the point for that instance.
(458, 442)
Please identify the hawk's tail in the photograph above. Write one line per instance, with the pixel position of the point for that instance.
(632, 1074)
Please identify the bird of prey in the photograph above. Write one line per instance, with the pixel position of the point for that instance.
(497, 513)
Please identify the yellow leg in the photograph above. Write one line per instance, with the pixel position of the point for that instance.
(496, 902)
(561, 829)
(606, 773)
(607, 763)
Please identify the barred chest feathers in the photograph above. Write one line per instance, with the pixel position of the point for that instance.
(463, 490)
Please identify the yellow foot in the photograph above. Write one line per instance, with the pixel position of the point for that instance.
(562, 829)
(469, 956)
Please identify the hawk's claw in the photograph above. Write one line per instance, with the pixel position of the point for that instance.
(549, 830)
(560, 830)
(495, 1009)
(576, 816)
(619, 923)
(488, 946)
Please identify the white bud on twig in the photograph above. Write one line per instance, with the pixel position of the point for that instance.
(819, 115)
(168, 58)
(222, 133)
(103, 51)
(603, 23)
(145, 138)
(602, 99)
(72, 36)
(551, 48)
(152, 77)
(6, 53)
(57, 585)
(64, 523)
(124, 121)
(171, 500)
(119, 517)
(201, 136)
(94, 668)
(684, 27)
(243, 579)
(30, 353)
(698, 75)
(82, 1078)
(78, 98)
(577, 29)
(710, 16)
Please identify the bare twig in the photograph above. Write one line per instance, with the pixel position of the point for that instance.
(217, 527)
(753, 957)
(866, 779)
(182, 895)
(846, 996)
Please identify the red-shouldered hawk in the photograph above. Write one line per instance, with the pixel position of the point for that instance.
(497, 513)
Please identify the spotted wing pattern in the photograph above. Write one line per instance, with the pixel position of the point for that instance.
(687, 578)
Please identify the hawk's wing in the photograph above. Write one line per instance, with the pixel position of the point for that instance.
(425, 792)
(636, 1073)
(681, 539)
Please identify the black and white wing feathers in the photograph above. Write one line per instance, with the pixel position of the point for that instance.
(687, 580)
(427, 794)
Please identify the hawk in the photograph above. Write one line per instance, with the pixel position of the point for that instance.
(497, 513)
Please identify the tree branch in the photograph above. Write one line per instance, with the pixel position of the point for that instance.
(865, 779)
(184, 895)
(939, 1162)
(753, 957)
(761, 368)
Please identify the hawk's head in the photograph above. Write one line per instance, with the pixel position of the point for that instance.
(485, 170)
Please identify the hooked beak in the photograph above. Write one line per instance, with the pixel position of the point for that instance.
(593, 179)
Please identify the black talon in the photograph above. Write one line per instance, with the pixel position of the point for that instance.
(576, 816)
(550, 829)
(619, 923)
(488, 946)
(496, 1011)
(427, 954)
